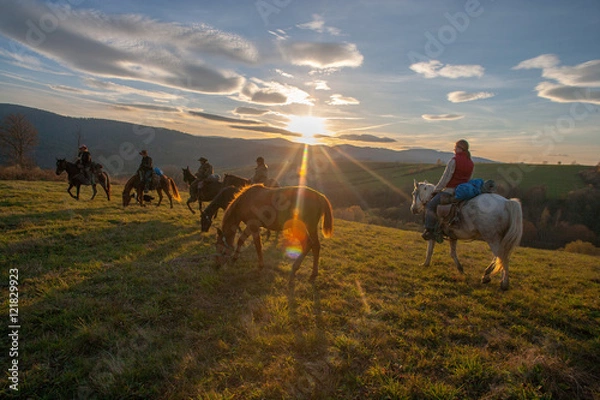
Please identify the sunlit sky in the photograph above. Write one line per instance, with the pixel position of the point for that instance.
(520, 80)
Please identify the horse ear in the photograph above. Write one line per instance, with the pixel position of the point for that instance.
(415, 183)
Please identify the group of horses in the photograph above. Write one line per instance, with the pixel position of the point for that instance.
(299, 209)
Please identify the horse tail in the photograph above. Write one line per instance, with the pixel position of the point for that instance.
(176, 195)
(327, 216)
(512, 237)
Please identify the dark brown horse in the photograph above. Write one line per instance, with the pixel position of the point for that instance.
(211, 189)
(76, 177)
(160, 183)
(295, 209)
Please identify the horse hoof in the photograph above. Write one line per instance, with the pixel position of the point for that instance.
(485, 279)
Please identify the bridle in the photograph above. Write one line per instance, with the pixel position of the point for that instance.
(418, 193)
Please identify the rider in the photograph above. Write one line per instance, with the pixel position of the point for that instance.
(458, 170)
(261, 172)
(145, 170)
(204, 172)
(84, 162)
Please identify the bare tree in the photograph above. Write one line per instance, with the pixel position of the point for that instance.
(18, 137)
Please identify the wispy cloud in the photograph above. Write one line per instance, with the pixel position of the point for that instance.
(435, 69)
(262, 92)
(102, 45)
(250, 111)
(220, 118)
(267, 129)
(339, 100)
(321, 55)
(460, 96)
(442, 117)
(318, 25)
(572, 83)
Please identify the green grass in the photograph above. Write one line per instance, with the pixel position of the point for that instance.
(125, 303)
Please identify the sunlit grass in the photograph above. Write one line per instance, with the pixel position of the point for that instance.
(125, 303)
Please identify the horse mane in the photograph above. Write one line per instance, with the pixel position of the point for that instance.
(232, 208)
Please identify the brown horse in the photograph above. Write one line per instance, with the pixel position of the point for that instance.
(160, 183)
(77, 178)
(296, 209)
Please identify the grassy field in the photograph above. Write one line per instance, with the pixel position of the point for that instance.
(120, 303)
(559, 180)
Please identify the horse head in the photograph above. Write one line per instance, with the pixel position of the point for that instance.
(61, 165)
(126, 198)
(421, 194)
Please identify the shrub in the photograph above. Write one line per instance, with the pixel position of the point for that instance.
(17, 172)
(582, 247)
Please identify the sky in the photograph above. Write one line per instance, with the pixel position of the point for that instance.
(520, 80)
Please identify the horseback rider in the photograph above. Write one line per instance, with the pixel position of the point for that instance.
(145, 170)
(204, 172)
(84, 163)
(458, 170)
(261, 172)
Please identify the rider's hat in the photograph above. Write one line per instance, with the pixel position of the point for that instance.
(143, 153)
(202, 159)
(82, 147)
(260, 160)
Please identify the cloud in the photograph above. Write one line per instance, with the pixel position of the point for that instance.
(339, 100)
(261, 92)
(220, 118)
(267, 129)
(573, 84)
(460, 97)
(442, 117)
(284, 74)
(366, 138)
(318, 25)
(249, 111)
(567, 94)
(131, 47)
(319, 85)
(321, 55)
(541, 62)
(435, 69)
(145, 107)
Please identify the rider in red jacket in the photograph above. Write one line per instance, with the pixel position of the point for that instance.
(459, 170)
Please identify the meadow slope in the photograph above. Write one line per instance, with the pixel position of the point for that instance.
(120, 303)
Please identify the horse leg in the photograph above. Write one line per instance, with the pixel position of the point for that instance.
(94, 191)
(430, 246)
(258, 246)
(78, 188)
(454, 256)
(160, 196)
(240, 243)
(71, 194)
(488, 271)
(504, 282)
(190, 201)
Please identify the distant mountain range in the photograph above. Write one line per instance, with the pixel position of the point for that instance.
(116, 145)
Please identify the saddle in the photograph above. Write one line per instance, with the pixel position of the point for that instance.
(448, 213)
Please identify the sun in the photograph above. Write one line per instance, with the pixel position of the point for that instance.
(308, 127)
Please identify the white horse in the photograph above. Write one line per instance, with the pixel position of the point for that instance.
(491, 217)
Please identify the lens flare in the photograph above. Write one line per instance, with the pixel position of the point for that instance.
(295, 235)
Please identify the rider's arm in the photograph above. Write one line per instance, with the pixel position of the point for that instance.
(448, 172)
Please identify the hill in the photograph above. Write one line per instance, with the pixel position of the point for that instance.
(125, 303)
(116, 145)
